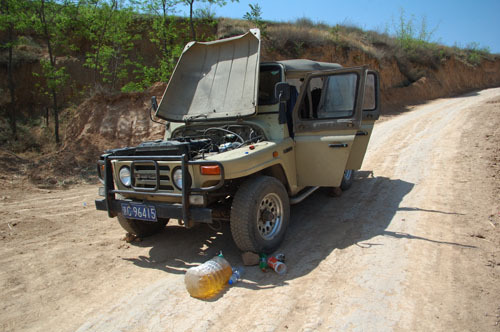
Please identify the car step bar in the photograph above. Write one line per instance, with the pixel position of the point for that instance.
(299, 198)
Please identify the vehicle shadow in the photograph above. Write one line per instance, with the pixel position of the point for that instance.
(319, 225)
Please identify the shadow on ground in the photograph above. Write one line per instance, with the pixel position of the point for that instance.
(319, 225)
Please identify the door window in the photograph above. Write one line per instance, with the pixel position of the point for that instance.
(339, 98)
(369, 102)
(330, 100)
(330, 97)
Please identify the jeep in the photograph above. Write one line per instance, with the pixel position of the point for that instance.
(243, 141)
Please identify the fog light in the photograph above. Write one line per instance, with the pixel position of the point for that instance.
(196, 200)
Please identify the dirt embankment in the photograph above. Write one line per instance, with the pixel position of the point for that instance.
(103, 122)
(100, 123)
(123, 120)
(403, 84)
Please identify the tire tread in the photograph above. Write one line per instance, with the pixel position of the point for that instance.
(241, 211)
(141, 228)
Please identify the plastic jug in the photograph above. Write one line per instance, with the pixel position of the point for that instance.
(208, 279)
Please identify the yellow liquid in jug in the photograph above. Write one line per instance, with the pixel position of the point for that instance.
(206, 280)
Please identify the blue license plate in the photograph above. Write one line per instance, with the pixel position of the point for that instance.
(139, 211)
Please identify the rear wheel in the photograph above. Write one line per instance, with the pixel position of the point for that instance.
(347, 179)
(260, 214)
(141, 228)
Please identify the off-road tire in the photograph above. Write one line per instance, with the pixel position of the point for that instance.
(256, 196)
(347, 179)
(141, 228)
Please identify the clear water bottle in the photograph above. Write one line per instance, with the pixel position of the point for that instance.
(208, 279)
(236, 276)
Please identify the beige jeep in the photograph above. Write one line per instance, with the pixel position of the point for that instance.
(243, 141)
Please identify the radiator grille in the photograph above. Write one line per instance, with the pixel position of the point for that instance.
(145, 176)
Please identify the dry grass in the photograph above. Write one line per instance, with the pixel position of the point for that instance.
(228, 27)
(292, 38)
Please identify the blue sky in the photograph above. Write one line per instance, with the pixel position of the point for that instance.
(455, 22)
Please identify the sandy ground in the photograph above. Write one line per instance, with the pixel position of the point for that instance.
(413, 245)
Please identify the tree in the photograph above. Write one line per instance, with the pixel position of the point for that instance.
(190, 3)
(162, 22)
(12, 20)
(164, 34)
(53, 20)
(107, 25)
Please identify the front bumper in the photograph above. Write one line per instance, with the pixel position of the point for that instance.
(163, 210)
(181, 211)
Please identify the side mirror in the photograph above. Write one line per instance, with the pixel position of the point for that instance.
(154, 107)
(282, 94)
(154, 104)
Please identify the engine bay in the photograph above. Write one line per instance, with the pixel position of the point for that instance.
(199, 141)
(218, 139)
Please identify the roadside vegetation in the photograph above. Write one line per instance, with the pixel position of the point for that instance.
(56, 53)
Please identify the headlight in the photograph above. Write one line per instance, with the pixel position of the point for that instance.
(125, 176)
(177, 177)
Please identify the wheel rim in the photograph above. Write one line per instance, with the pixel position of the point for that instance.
(347, 174)
(270, 216)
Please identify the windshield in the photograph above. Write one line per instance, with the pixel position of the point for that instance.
(268, 77)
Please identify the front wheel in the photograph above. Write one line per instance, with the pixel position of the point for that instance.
(260, 214)
(141, 228)
(347, 179)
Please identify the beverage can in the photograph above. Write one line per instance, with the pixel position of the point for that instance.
(276, 265)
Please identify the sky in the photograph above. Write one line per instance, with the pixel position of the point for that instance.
(454, 22)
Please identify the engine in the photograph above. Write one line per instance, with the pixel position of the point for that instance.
(198, 141)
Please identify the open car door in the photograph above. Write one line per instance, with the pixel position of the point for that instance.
(371, 112)
(326, 118)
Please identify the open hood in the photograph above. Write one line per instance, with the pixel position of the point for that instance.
(214, 80)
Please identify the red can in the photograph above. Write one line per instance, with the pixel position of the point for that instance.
(276, 265)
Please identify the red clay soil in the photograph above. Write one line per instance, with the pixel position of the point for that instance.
(102, 122)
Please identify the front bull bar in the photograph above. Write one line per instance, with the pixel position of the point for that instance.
(186, 190)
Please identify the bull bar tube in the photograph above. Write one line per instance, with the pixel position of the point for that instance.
(167, 210)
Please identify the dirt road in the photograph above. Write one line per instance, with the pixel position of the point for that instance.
(413, 245)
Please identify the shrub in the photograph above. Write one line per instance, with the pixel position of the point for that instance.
(475, 53)
(255, 16)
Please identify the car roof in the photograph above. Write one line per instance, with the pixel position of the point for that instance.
(300, 67)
